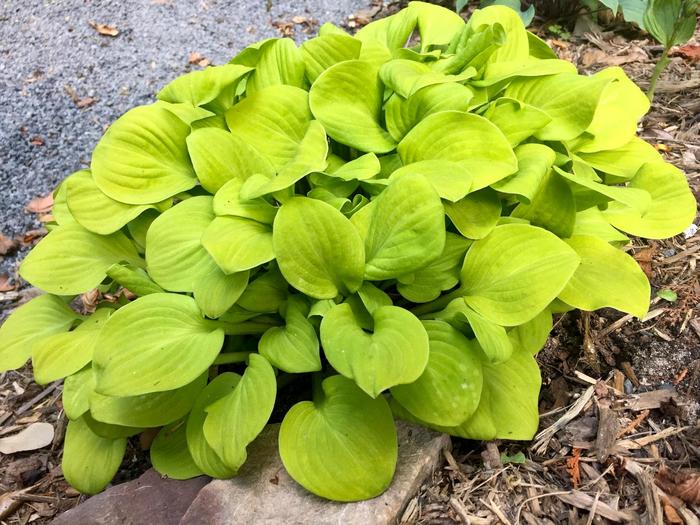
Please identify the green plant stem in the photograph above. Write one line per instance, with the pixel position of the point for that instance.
(243, 328)
(231, 357)
(439, 303)
(317, 387)
(658, 69)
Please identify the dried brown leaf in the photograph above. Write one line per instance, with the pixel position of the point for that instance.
(37, 141)
(683, 484)
(7, 245)
(40, 204)
(197, 59)
(104, 29)
(690, 52)
(36, 435)
(5, 285)
(85, 102)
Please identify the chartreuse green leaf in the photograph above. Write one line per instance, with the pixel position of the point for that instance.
(391, 32)
(32, 322)
(76, 392)
(606, 277)
(403, 113)
(625, 161)
(451, 180)
(393, 352)
(635, 198)
(203, 88)
(532, 336)
(362, 168)
(146, 410)
(202, 453)
(170, 455)
(672, 207)
(134, 279)
(158, 342)
(64, 353)
(516, 46)
(468, 139)
(90, 461)
(60, 211)
(71, 260)
(552, 207)
(436, 24)
(228, 201)
(343, 445)
(186, 112)
(534, 163)
(273, 121)
(449, 389)
(216, 292)
(322, 52)
(279, 61)
(175, 257)
(516, 120)
(219, 156)
(234, 420)
(309, 157)
(142, 158)
(109, 431)
(591, 221)
(512, 274)
(238, 244)
(569, 99)
(442, 274)
(496, 73)
(539, 48)
(476, 214)
(405, 77)
(294, 347)
(508, 406)
(323, 258)
(266, 293)
(94, 210)
(347, 100)
(406, 229)
(621, 107)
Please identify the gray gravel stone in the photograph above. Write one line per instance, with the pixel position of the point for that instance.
(48, 50)
(263, 493)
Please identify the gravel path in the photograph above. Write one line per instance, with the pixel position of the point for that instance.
(52, 60)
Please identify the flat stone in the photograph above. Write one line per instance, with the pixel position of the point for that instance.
(148, 500)
(263, 492)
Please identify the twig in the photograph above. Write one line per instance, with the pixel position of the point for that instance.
(41, 395)
(542, 439)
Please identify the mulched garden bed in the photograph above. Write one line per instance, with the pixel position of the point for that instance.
(619, 439)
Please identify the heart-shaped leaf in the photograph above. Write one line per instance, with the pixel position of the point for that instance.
(238, 244)
(142, 158)
(406, 229)
(170, 455)
(41, 317)
(512, 274)
(71, 260)
(449, 389)
(343, 445)
(393, 352)
(90, 461)
(294, 347)
(347, 100)
(237, 418)
(158, 342)
(325, 257)
(476, 214)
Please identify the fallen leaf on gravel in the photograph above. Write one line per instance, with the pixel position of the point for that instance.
(104, 29)
(32, 235)
(285, 28)
(684, 485)
(36, 435)
(5, 285)
(40, 204)
(197, 59)
(7, 245)
(37, 141)
(690, 52)
(85, 102)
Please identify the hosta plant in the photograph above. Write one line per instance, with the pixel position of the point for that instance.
(361, 228)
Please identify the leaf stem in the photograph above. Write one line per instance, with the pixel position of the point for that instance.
(658, 69)
(439, 303)
(247, 328)
(231, 357)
